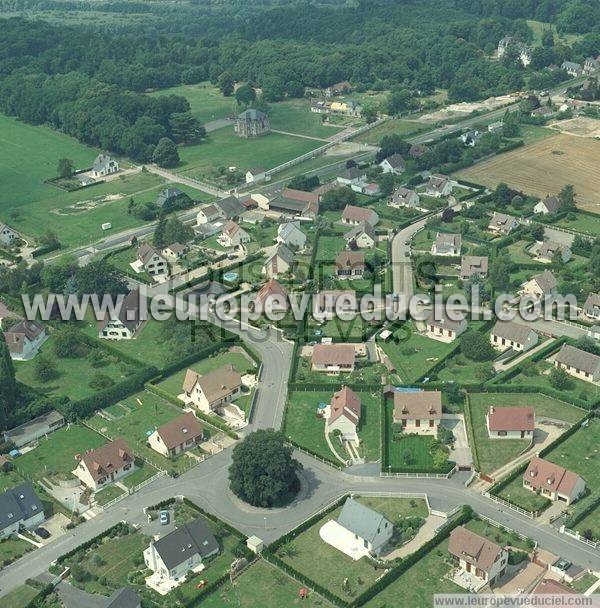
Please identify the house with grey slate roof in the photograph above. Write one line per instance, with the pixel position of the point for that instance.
(104, 165)
(579, 363)
(508, 334)
(20, 507)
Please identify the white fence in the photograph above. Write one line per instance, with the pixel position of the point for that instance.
(505, 503)
(577, 536)
(419, 475)
(133, 490)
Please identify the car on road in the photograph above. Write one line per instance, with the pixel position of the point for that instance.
(164, 518)
(43, 533)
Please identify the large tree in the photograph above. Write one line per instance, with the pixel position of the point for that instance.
(8, 384)
(101, 278)
(263, 472)
(165, 154)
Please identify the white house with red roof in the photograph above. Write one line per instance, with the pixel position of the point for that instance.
(553, 481)
(271, 297)
(100, 467)
(233, 235)
(343, 414)
(510, 422)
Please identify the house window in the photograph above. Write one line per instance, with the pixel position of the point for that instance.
(501, 433)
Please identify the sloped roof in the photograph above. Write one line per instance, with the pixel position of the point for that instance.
(580, 359)
(545, 474)
(180, 429)
(346, 403)
(552, 203)
(550, 248)
(129, 313)
(357, 230)
(23, 331)
(108, 458)
(472, 548)
(271, 288)
(439, 318)
(287, 230)
(502, 221)
(252, 114)
(361, 520)
(546, 281)
(438, 181)
(592, 304)
(395, 161)
(333, 354)
(215, 385)
(511, 419)
(473, 264)
(447, 240)
(19, 503)
(357, 214)
(421, 405)
(350, 259)
(145, 253)
(230, 207)
(124, 598)
(166, 195)
(402, 194)
(300, 195)
(510, 330)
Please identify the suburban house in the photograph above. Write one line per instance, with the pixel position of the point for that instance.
(175, 251)
(509, 334)
(404, 197)
(183, 550)
(175, 437)
(353, 215)
(210, 213)
(446, 244)
(549, 206)
(352, 176)
(289, 234)
(591, 65)
(553, 481)
(168, 196)
(441, 327)
(271, 297)
(549, 249)
(350, 265)
(100, 467)
(229, 208)
(290, 201)
(152, 261)
(361, 236)
(540, 285)
(579, 363)
(213, 390)
(473, 266)
(256, 175)
(333, 358)
(125, 324)
(439, 185)
(338, 89)
(359, 531)
(501, 223)
(20, 508)
(7, 235)
(496, 127)
(233, 235)
(279, 262)
(573, 69)
(328, 303)
(482, 560)
(543, 112)
(591, 307)
(393, 164)
(418, 412)
(343, 414)
(252, 123)
(104, 165)
(24, 339)
(34, 429)
(510, 422)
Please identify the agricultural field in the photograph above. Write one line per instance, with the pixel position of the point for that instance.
(308, 430)
(494, 453)
(546, 167)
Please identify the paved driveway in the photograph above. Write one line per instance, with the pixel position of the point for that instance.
(462, 452)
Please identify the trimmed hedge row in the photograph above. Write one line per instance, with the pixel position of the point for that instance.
(573, 520)
(120, 527)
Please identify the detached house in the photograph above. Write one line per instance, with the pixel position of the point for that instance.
(354, 216)
(104, 165)
(272, 297)
(393, 164)
(7, 235)
(212, 391)
(168, 196)
(252, 123)
(343, 414)
(20, 508)
(501, 223)
(175, 437)
(591, 65)
(105, 465)
(24, 339)
(256, 175)
(473, 266)
(152, 261)
(352, 176)
(338, 89)
(404, 197)
(350, 265)
(439, 185)
(441, 327)
(549, 206)
(591, 307)
(579, 363)
(510, 422)
(549, 249)
(175, 251)
(540, 285)
(182, 551)
(508, 334)
(233, 235)
(447, 244)
(289, 234)
(572, 68)
(362, 236)
(125, 324)
(229, 208)
(279, 262)
(418, 412)
(481, 559)
(333, 358)
(553, 481)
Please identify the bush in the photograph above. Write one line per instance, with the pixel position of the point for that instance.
(560, 379)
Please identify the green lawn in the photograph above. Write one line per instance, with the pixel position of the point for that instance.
(308, 430)
(337, 328)
(223, 148)
(107, 494)
(9, 479)
(588, 224)
(74, 374)
(364, 373)
(265, 586)
(494, 453)
(417, 586)
(143, 471)
(498, 535)
(538, 27)
(242, 363)
(414, 355)
(12, 549)
(294, 116)
(19, 597)
(56, 455)
(590, 522)
(329, 247)
(530, 501)
(392, 126)
(531, 134)
(584, 583)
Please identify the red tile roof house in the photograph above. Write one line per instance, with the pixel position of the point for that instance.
(353, 215)
(418, 412)
(333, 358)
(553, 481)
(350, 265)
(105, 465)
(209, 393)
(233, 235)
(175, 437)
(510, 422)
(441, 327)
(272, 297)
(343, 414)
(508, 334)
(483, 560)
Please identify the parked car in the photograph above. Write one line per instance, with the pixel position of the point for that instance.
(43, 533)
(164, 518)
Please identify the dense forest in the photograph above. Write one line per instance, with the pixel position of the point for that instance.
(88, 80)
